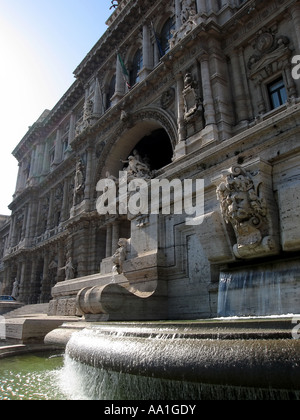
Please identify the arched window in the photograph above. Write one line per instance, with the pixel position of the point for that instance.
(111, 91)
(137, 65)
(166, 34)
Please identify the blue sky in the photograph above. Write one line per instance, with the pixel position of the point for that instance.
(41, 44)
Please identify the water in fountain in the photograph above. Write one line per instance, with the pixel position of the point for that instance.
(270, 289)
(79, 381)
(31, 377)
(137, 363)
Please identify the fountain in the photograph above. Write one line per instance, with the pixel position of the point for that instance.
(250, 356)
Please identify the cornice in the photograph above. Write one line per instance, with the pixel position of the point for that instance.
(42, 129)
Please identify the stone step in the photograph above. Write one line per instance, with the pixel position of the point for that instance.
(28, 310)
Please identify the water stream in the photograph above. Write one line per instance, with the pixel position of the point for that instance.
(270, 289)
(31, 377)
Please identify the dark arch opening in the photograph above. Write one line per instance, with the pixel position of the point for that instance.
(156, 149)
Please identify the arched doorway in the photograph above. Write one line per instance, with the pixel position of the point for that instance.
(156, 149)
(149, 138)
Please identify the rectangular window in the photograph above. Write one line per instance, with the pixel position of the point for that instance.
(277, 93)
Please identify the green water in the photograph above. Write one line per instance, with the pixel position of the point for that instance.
(31, 377)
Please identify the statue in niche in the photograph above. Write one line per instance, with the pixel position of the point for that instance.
(188, 20)
(88, 110)
(120, 256)
(188, 11)
(69, 269)
(87, 118)
(79, 183)
(192, 102)
(246, 211)
(137, 167)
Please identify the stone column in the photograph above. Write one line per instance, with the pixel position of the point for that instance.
(50, 211)
(115, 236)
(260, 98)
(240, 95)
(201, 6)
(33, 293)
(147, 64)
(20, 178)
(295, 12)
(38, 165)
(220, 89)
(45, 286)
(32, 161)
(98, 103)
(65, 209)
(208, 101)
(61, 262)
(58, 149)
(46, 160)
(178, 22)
(12, 234)
(23, 287)
(108, 250)
(88, 176)
(119, 89)
(180, 149)
(26, 221)
(214, 6)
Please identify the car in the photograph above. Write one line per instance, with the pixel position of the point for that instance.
(7, 299)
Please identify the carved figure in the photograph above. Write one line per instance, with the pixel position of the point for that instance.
(15, 290)
(120, 256)
(137, 167)
(88, 110)
(188, 11)
(69, 269)
(245, 210)
(79, 182)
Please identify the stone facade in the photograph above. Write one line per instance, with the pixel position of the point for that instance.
(207, 94)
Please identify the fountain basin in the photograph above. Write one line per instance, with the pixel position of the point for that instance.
(250, 354)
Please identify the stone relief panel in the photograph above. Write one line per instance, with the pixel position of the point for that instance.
(188, 19)
(192, 102)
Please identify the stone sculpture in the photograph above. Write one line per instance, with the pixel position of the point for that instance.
(246, 211)
(69, 269)
(120, 256)
(79, 183)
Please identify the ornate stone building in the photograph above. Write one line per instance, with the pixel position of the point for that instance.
(194, 90)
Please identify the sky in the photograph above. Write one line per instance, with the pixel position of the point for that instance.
(41, 44)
